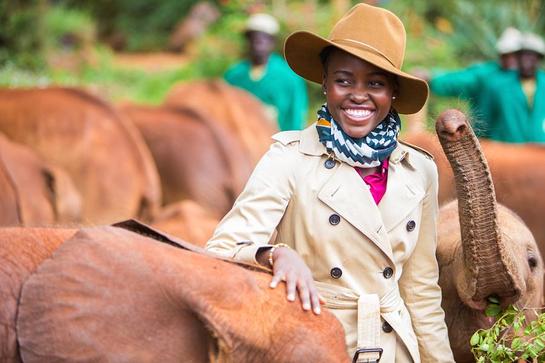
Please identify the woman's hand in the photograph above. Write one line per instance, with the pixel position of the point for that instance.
(288, 266)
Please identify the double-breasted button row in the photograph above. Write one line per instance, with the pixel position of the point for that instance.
(388, 272)
(387, 328)
(336, 272)
(334, 219)
(411, 225)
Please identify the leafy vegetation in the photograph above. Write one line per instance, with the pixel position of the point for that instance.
(21, 34)
(141, 25)
(511, 338)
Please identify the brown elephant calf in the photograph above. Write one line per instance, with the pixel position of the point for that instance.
(197, 158)
(102, 152)
(108, 294)
(237, 110)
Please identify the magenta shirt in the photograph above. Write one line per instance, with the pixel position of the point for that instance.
(377, 181)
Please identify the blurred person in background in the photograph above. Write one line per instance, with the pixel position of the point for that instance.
(515, 101)
(467, 83)
(265, 74)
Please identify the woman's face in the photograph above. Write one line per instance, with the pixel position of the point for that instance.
(359, 95)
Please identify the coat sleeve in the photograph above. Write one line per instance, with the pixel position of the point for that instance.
(419, 284)
(256, 213)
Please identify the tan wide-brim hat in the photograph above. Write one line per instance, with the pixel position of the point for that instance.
(370, 33)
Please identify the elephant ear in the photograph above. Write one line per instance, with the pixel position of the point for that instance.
(21, 251)
(63, 195)
(112, 295)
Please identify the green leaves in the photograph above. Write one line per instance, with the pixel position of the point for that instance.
(492, 310)
(474, 339)
(510, 338)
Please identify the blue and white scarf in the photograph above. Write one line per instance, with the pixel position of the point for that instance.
(366, 152)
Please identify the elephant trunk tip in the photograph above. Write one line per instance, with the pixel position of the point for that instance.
(505, 296)
(451, 125)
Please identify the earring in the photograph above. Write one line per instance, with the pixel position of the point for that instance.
(393, 97)
(325, 92)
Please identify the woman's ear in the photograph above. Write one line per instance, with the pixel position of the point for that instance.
(324, 88)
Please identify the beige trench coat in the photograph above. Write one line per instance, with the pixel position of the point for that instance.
(329, 216)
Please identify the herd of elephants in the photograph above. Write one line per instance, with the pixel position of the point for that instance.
(98, 200)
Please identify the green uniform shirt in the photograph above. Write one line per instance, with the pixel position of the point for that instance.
(498, 105)
(511, 119)
(279, 87)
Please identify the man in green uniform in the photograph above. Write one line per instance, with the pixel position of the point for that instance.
(467, 83)
(268, 77)
(515, 101)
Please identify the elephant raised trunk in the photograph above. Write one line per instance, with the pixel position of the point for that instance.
(489, 269)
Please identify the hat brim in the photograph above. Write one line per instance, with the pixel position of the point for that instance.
(302, 50)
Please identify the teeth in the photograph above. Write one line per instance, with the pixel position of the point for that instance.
(357, 113)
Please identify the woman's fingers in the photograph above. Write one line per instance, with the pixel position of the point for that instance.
(291, 283)
(303, 294)
(316, 300)
(290, 268)
(277, 277)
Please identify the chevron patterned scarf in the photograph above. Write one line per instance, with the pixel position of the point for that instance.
(366, 152)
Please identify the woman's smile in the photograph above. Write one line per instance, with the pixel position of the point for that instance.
(358, 114)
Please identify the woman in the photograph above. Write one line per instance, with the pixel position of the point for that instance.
(353, 208)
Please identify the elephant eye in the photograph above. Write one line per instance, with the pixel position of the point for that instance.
(532, 262)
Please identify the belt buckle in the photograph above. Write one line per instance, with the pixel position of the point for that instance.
(367, 350)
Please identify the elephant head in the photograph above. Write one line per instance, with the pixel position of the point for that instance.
(484, 249)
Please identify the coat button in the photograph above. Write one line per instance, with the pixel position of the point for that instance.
(387, 328)
(334, 219)
(410, 225)
(329, 164)
(336, 272)
(388, 272)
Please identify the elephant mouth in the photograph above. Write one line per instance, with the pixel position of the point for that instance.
(483, 321)
(475, 319)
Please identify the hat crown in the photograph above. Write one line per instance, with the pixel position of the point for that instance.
(372, 28)
(509, 41)
(533, 42)
(262, 22)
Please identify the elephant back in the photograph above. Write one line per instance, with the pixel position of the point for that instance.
(237, 110)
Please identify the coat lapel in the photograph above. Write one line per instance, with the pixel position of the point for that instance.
(347, 194)
(402, 192)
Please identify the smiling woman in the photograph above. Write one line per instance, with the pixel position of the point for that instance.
(349, 209)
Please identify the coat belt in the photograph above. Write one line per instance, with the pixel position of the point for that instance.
(370, 308)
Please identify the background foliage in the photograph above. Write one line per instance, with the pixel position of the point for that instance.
(73, 42)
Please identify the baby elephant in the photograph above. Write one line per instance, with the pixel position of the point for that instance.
(484, 249)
